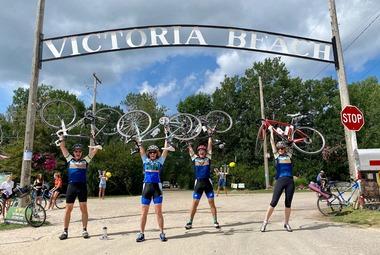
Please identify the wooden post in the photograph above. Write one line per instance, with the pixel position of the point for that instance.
(265, 150)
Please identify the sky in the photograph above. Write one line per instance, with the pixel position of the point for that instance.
(174, 73)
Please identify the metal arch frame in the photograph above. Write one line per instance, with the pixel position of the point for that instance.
(332, 43)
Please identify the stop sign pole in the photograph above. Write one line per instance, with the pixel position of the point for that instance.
(350, 136)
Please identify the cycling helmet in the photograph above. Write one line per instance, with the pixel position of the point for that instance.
(78, 146)
(201, 147)
(153, 148)
(280, 145)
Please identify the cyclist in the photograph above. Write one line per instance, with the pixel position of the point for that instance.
(77, 170)
(102, 183)
(222, 173)
(203, 183)
(56, 190)
(284, 181)
(37, 185)
(153, 164)
(6, 189)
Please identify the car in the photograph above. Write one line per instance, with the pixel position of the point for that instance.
(166, 184)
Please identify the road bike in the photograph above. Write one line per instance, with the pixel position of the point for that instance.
(61, 115)
(304, 139)
(136, 126)
(217, 121)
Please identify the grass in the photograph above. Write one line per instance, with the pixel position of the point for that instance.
(363, 217)
(5, 226)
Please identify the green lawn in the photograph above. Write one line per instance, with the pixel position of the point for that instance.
(4, 226)
(359, 217)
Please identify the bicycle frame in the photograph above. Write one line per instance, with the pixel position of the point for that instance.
(285, 136)
(354, 187)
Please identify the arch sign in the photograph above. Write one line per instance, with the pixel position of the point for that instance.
(186, 35)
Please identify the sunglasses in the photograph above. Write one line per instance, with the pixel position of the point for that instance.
(77, 151)
(152, 152)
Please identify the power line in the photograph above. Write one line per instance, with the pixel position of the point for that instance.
(350, 44)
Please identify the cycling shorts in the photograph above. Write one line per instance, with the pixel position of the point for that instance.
(203, 185)
(151, 191)
(74, 190)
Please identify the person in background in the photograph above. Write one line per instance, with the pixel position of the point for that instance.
(56, 190)
(37, 185)
(222, 173)
(102, 183)
(6, 189)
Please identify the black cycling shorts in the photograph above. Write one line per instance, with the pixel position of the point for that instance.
(283, 184)
(75, 190)
(203, 185)
(151, 190)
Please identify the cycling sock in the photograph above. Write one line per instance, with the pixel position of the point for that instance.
(84, 229)
(191, 221)
(66, 230)
(215, 219)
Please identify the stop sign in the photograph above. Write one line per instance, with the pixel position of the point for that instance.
(352, 118)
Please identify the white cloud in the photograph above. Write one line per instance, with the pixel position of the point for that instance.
(160, 90)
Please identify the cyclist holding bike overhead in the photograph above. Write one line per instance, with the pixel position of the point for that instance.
(284, 181)
(153, 163)
(203, 183)
(77, 171)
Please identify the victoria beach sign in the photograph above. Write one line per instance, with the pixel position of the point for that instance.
(185, 35)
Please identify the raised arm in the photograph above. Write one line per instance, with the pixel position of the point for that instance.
(191, 151)
(272, 140)
(209, 146)
(165, 151)
(63, 148)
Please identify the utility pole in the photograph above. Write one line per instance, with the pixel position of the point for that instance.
(265, 152)
(96, 82)
(32, 99)
(350, 136)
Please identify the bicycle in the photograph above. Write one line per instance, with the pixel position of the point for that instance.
(135, 126)
(35, 214)
(329, 203)
(60, 202)
(304, 139)
(61, 115)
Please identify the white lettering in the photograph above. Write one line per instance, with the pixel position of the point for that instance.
(143, 39)
(294, 47)
(281, 44)
(114, 43)
(254, 40)
(317, 51)
(85, 45)
(154, 36)
(232, 37)
(176, 35)
(54, 50)
(74, 46)
(198, 36)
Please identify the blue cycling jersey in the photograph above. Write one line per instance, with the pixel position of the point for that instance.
(77, 170)
(283, 164)
(152, 169)
(202, 166)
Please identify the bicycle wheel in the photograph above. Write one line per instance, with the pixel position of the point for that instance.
(308, 140)
(43, 202)
(219, 121)
(261, 134)
(184, 126)
(35, 215)
(60, 203)
(134, 123)
(106, 120)
(54, 112)
(329, 206)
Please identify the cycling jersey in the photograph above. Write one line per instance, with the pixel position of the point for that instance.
(152, 169)
(77, 170)
(283, 164)
(202, 166)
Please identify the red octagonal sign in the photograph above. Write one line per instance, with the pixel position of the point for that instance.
(352, 118)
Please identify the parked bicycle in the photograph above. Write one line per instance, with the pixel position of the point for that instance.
(61, 115)
(304, 139)
(60, 202)
(35, 214)
(333, 197)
